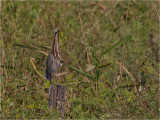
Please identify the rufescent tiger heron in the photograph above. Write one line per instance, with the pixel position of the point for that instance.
(53, 59)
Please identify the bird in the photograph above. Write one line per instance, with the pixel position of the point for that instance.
(53, 59)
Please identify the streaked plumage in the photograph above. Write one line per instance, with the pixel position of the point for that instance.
(53, 59)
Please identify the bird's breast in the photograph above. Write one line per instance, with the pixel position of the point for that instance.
(55, 65)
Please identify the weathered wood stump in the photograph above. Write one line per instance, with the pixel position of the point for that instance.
(57, 97)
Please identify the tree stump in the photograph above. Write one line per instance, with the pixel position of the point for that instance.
(57, 97)
(52, 97)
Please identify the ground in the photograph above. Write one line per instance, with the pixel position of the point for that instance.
(102, 83)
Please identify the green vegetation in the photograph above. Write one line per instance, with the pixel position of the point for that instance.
(110, 54)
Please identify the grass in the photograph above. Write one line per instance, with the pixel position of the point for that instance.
(110, 75)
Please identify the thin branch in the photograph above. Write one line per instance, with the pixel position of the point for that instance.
(31, 60)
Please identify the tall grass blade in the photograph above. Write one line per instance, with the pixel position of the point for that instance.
(45, 47)
(96, 58)
(94, 55)
(117, 44)
(25, 46)
(83, 73)
(32, 47)
(102, 66)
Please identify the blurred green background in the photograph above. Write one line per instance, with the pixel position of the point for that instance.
(127, 88)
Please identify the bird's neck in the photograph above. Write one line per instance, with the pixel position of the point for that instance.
(55, 48)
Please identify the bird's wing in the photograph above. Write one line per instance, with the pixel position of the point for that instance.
(49, 64)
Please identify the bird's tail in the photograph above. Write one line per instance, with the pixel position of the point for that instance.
(47, 76)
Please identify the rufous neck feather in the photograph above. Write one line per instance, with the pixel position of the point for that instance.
(55, 49)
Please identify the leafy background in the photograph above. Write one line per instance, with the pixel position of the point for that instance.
(87, 29)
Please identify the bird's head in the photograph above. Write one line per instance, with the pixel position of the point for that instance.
(55, 30)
